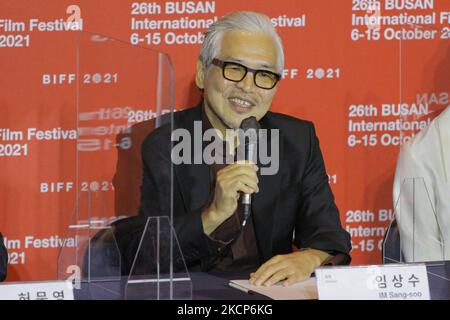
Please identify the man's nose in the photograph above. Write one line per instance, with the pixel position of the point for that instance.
(248, 83)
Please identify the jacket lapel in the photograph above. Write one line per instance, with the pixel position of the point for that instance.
(194, 183)
(264, 203)
(194, 179)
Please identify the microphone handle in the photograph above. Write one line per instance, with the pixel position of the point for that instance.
(247, 198)
(250, 150)
(246, 201)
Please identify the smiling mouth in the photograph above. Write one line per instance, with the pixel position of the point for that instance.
(241, 105)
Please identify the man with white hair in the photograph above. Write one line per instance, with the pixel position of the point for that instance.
(238, 71)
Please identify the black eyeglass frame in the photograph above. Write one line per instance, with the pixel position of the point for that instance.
(222, 64)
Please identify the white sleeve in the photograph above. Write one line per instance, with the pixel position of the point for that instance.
(414, 204)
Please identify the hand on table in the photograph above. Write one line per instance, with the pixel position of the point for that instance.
(289, 268)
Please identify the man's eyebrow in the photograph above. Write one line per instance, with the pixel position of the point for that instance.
(264, 65)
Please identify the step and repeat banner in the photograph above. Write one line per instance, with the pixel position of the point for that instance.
(370, 74)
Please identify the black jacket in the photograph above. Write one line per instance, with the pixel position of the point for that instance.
(3, 259)
(295, 206)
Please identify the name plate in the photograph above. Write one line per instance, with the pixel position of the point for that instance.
(45, 290)
(376, 282)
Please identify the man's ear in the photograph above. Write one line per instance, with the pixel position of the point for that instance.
(200, 75)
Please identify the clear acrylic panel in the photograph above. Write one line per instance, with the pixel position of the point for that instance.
(418, 232)
(90, 249)
(416, 235)
(417, 190)
(421, 237)
(159, 271)
(123, 92)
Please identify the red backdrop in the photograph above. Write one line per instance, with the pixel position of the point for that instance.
(340, 70)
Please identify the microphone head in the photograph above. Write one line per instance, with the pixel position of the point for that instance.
(250, 123)
(248, 137)
(250, 127)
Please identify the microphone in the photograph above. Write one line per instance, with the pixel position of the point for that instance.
(249, 139)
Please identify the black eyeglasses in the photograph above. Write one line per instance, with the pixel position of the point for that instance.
(236, 72)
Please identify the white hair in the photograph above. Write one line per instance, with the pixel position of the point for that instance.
(244, 20)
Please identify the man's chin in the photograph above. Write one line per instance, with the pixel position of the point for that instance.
(234, 126)
(236, 121)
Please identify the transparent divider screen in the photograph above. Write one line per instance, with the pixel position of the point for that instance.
(123, 92)
(159, 271)
(417, 233)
